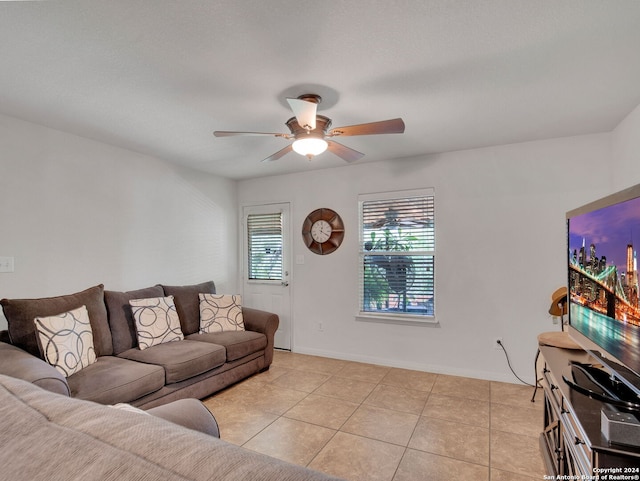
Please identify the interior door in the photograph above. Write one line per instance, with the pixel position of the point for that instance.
(267, 265)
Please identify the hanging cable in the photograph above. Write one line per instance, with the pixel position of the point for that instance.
(506, 354)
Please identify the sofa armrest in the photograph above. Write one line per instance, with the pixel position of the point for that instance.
(20, 364)
(4, 336)
(190, 413)
(264, 322)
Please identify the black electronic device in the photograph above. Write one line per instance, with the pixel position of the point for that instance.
(598, 384)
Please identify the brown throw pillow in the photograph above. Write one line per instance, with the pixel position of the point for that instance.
(20, 314)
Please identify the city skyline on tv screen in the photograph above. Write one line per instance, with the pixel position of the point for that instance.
(610, 229)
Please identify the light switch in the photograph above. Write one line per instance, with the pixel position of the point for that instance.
(6, 264)
(299, 259)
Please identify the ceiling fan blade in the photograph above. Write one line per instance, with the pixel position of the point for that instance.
(305, 112)
(227, 133)
(278, 154)
(393, 126)
(344, 152)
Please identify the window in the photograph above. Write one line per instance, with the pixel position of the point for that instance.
(397, 255)
(264, 237)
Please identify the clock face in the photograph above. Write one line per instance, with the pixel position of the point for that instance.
(321, 231)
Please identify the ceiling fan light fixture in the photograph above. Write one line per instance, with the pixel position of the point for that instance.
(309, 130)
(310, 146)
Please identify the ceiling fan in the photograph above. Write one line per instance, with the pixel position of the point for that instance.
(311, 133)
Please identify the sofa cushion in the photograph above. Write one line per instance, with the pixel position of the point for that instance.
(123, 327)
(20, 314)
(220, 312)
(188, 303)
(66, 340)
(46, 437)
(111, 380)
(157, 321)
(180, 360)
(238, 344)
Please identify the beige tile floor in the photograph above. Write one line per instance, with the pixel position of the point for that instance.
(364, 422)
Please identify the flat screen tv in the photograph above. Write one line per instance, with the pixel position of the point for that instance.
(603, 294)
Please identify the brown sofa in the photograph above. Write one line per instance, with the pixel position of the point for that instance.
(49, 437)
(195, 367)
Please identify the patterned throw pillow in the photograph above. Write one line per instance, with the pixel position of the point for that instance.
(66, 340)
(220, 312)
(157, 321)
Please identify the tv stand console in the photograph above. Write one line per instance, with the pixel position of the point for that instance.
(571, 442)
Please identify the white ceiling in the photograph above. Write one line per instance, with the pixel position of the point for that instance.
(159, 76)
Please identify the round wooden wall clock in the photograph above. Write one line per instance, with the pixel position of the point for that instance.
(323, 231)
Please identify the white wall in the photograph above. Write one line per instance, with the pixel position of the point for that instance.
(500, 252)
(75, 213)
(626, 151)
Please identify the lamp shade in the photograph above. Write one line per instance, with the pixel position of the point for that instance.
(310, 146)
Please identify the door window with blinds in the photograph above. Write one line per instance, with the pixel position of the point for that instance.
(397, 255)
(265, 242)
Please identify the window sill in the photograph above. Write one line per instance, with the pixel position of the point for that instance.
(409, 320)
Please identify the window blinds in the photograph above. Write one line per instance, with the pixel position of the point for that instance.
(264, 237)
(397, 254)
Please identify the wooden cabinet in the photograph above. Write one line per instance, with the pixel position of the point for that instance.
(571, 442)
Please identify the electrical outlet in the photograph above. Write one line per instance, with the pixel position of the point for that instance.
(498, 343)
(6, 264)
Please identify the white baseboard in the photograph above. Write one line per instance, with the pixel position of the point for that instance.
(507, 377)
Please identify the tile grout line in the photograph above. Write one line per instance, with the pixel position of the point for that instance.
(340, 427)
(359, 405)
(363, 403)
(406, 449)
